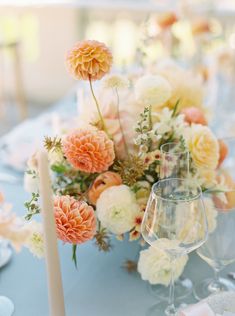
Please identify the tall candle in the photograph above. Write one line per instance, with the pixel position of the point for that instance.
(54, 281)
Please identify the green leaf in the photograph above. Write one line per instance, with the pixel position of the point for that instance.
(174, 113)
(74, 255)
(58, 168)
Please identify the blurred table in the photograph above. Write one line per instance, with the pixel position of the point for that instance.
(99, 287)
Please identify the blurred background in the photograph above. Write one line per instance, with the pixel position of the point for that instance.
(35, 36)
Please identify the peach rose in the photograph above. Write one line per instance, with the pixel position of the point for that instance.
(89, 150)
(101, 183)
(89, 60)
(194, 115)
(166, 19)
(200, 26)
(223, 152)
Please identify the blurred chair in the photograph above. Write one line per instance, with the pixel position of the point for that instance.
(13, 48)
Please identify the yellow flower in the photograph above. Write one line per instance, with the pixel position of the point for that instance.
(207, 177)
(203, 146)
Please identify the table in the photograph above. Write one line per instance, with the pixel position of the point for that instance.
(99, 287)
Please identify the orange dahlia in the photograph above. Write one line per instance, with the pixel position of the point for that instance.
(75, 220)
(89, 150)
(89, 60)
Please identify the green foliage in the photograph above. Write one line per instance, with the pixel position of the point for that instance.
(32, 206)
(69, 181)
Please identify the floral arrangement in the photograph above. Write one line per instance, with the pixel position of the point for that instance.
(103, 168)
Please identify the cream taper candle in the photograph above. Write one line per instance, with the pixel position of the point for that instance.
(54, 280)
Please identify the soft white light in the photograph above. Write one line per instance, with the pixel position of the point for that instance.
(232, 40)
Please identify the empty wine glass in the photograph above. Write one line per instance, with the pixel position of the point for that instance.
(218, 251)
(174, 161)
(174, 164)
(174, 221)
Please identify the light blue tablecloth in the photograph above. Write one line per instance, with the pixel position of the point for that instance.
(99, 287)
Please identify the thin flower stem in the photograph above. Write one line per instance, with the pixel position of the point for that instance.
(150, 118)
(120, 123)
(97, 107)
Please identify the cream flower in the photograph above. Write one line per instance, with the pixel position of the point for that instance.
(185, 86)
(35, 241)
(115, 82)
(203, 146)
(31, 181)
(116, 209)
(152, 90)
(55, 157)
(155, 266)
(165, 123)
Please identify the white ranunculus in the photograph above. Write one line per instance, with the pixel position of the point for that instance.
(152, 90)
(116, 209)
(154, 264)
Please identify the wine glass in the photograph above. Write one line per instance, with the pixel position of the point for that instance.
(174, 221)
(218, 251)
(174, 161)
(174, 164)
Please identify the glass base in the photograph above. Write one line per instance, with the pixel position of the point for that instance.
(183, 288)
(5, 254)
(209, 286)
(163, 308)
(6, 306)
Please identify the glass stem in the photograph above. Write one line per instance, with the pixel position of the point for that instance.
(215, 285)
(216, 275)
(172, 284)
(171, 310)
